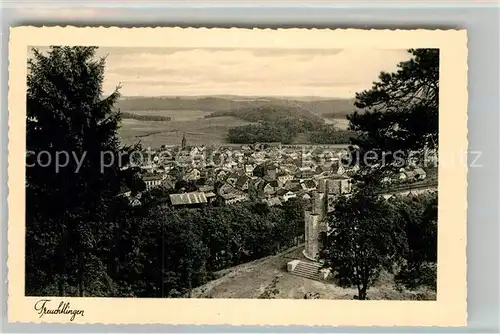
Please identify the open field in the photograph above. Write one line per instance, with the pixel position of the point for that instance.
(198, 131)
(341, 123)
(252, 279)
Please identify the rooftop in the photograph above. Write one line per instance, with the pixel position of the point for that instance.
(188, 198)
(336, 177)
(151, 177)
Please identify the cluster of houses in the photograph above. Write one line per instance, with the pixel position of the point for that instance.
(409, 174)
(270, 173)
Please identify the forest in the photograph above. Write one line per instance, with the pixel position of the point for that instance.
(329, 134)
(282, 124)
(138, 117)
(160, 251)
(286, 132)
(273, 113)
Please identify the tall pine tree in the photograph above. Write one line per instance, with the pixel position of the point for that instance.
(399, 117)
(67, 233)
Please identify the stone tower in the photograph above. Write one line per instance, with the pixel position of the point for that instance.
(315, 219)
(315, 223)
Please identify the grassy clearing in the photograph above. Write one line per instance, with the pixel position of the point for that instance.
(197, 131)
(252, 280)
(341, 123)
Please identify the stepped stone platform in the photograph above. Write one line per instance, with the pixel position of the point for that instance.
(307, 269)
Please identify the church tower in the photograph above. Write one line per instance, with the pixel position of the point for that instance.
(183, 142)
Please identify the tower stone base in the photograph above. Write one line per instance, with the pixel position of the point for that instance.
(314, 224)
(312, 221)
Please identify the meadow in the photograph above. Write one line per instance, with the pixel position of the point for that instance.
(198, 130)
(341, 123)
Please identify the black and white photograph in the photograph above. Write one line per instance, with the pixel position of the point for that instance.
(238, 176)
(232, 173)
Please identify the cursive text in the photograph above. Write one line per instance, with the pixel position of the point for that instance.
(43, 308)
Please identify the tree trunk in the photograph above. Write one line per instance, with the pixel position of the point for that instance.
(362, 293)
(60, 285)
(62, 279)
(162, 260)
(81, 288)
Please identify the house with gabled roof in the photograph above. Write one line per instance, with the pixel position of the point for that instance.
(304, 173)
(124, 191)
(321, 168)
(281, 191)
(420, 174)
(242, 183)
(222, 175)
(335, 185)
(226, 188)
(271, 172)
(308, 185)
(232, 198)
(257, 182)
(293, 185)
(249, 170)
(192, 174)
(288, 195)
(205, 188)
(232, 178)
(168, 183)
(268, 178)
(152, 181)
(352, 170)
(407, 175)
(184, 159)
(337, 167)
(266, 189)
(135, 202)
(305, 196)
(272, 201)
(273, 184)
(260, 186)
(211, 196)
(289, 168)
(230, 164)
(283, 178)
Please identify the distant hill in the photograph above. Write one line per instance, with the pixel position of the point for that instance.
(270, 113)
(319, 106)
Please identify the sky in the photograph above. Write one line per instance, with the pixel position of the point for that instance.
(248, 72)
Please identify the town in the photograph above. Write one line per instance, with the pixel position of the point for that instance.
(193, 176)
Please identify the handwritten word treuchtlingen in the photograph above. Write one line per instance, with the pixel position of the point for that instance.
(42, 308)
